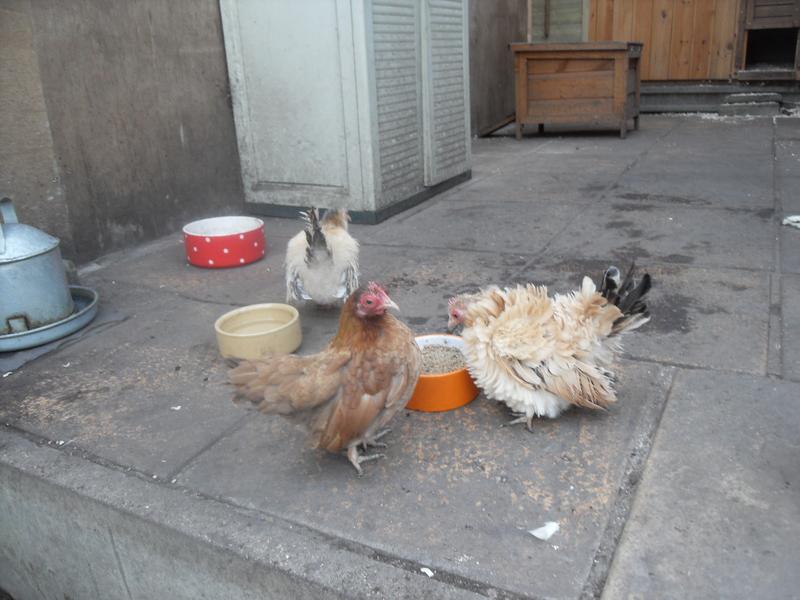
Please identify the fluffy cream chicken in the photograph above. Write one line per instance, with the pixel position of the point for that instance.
(322, 260)
(541, 355)
(348, 393)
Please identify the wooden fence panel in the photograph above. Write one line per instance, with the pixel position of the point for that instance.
(683, 39)
(642, 28)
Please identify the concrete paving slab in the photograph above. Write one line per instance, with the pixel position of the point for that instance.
(790, 334)
(708, 318)
(717, 514)
(126, 537)
(253, 513)
(706, 163)
(502, 152)
(787, 174)
(475, 223)
(166, 271)
(787, 128)
(790, 249)
(107, 316)
(114, 393)
(548, 179)
(420, 281)
(164, 268)
(455, 492)
(624, 230)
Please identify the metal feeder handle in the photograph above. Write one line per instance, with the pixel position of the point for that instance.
(9, 216)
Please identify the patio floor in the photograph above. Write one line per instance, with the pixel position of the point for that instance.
(128, 473)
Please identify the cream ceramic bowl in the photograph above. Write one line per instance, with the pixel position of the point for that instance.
(259, 329)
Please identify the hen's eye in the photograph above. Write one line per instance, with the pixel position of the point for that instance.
(368, 302)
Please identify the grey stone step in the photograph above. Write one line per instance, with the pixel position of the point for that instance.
(766, 109)
(749, 97)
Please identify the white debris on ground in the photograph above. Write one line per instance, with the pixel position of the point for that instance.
(7, 374)
(709, 116)
(792, 221)
(178, 407)
(546, 531)
(788, 113)
(427, 571)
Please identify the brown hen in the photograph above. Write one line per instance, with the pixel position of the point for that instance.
(348, 393)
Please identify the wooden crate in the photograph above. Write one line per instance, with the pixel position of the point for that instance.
(582, 83)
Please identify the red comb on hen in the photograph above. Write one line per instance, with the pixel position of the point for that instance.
(376, 288)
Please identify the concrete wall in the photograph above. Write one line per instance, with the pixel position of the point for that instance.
(142, 135)
(28, 171)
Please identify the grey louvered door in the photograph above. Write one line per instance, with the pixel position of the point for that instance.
(396, 55)
(445, 89)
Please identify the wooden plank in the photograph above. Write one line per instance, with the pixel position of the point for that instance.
(681, 41)
(623, 19)
(774, 12)
(580, 110)
(521, 89)
(605, 20)
(741, 45)
(642, 31)
(598, 85)
(724, 37)
(620, 84)
(489, 130)
(797, 58)
(661, 37)
(589, 48)
(543, 66)
(529, 26)
(700, 62)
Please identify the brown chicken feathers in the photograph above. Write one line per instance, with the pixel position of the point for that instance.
(348, 393)
(541, 355)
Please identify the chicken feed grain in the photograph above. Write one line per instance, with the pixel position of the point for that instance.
(441, 359)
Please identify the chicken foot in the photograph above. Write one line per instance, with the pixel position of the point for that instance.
(356, 459)
(373, 439)
(521, 418)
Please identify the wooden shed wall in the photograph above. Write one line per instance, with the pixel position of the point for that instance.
(565, 21)
(683, 39)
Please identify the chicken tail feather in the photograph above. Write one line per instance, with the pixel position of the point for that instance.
(314, 237)
(628, 295)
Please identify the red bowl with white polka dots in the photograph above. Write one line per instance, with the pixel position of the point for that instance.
(224, 241)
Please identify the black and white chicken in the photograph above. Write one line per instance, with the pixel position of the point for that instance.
(322, 260)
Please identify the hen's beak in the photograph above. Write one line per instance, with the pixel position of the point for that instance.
(454, 327)
(389, 303)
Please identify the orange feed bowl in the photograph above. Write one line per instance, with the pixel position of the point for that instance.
(443, 391)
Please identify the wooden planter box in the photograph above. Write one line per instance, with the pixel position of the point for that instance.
(584, 83)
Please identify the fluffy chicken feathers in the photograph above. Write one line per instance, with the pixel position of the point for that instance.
(541, 355)
(349, 392)
(322, 260)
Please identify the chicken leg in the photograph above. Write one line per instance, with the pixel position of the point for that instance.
(521, 418)
(373, 440)
(356, 459)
